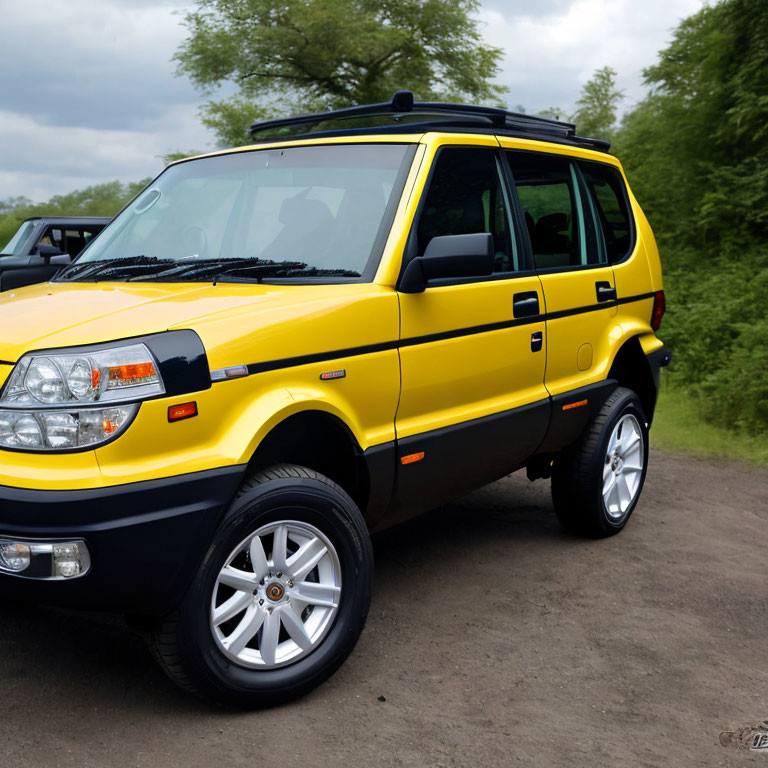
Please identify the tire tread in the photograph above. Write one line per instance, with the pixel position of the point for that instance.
(572, 479)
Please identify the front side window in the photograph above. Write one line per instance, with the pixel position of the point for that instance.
(300, 212)
(467, 196)
(560, 225)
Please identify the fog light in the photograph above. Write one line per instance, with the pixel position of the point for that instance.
(46, 560)
(14, 556)
(70, 559)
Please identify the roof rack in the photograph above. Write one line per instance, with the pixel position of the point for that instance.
(403, 114)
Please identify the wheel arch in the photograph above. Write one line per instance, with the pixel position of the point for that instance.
(631, 369)
(317, 439)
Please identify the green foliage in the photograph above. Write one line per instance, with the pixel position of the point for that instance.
(596, 107)
(696, 154)
(172, 157)
(100, 200)
(307, 55)
(230, 118)
(681, 426)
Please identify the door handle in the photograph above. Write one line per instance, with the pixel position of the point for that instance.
(605, 291)
(537, 341)
(525, 304)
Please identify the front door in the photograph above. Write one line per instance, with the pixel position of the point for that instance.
(473, 404)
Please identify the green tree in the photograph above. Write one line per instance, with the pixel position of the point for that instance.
(696, 154)
(596, 106)
(289, 55)
(99, 200)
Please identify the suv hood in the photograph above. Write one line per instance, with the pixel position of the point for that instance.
(49, 315)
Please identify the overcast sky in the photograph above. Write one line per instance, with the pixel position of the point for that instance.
(89, 93)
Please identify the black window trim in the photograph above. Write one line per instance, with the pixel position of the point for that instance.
(523, 250)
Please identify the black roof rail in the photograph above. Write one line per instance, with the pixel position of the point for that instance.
(404, 114)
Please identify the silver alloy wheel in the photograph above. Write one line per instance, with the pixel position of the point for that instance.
(623, 467)
(276, 596)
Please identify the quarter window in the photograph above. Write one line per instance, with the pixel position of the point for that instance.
(467, 196)
(606, 191)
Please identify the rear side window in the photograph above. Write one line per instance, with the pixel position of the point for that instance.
(607, 195)
(558, 215)
(548, 190)
(466, 196)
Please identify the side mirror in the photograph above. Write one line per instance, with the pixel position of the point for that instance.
(449, 256)
(47, 252)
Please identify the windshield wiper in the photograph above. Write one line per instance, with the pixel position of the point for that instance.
(111, 268)
(281, 269)
(193, 268)
(242, 270)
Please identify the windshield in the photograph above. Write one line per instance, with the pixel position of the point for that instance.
(16, 243)
(302, 212)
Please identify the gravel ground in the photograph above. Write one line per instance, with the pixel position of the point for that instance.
(494, 639)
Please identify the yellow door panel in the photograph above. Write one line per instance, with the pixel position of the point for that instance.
(572, 295)
(468, 376)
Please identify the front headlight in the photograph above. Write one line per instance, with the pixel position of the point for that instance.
(63, 430)
(107, 375)
(58, 401)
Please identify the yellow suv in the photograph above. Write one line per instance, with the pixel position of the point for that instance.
(277, 349)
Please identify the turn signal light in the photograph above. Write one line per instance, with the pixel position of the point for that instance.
(659, 307)
(136, 373)
(412, 458)
(182, 411)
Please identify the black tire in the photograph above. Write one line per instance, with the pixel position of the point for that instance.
(183, 642)
(577, 477)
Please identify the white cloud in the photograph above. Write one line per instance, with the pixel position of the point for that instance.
(89, 93)
(40, 160)
(549, 57)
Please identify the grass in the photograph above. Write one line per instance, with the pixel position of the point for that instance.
(679, 428)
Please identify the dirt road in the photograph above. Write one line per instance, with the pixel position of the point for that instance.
(495, 639)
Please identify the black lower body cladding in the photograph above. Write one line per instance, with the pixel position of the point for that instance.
(146, 539)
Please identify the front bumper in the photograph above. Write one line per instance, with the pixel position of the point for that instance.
(146, 540)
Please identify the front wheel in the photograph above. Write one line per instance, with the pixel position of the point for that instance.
(596, 483)
(281, 597)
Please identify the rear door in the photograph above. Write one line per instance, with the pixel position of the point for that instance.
(473, 404)
(577, 279)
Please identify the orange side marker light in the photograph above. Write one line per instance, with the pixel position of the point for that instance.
(412, 458)
(182, 411)
(569, 406)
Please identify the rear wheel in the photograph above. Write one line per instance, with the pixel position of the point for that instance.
(596, 483)
(281, 597)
